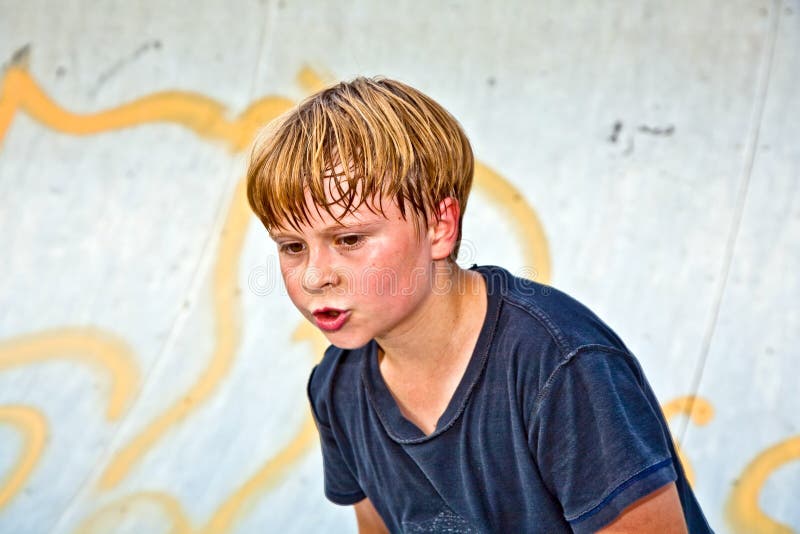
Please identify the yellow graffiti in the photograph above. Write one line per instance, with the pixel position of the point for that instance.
(87, 345)
(271, 472)
(311, 80)
(699, 411)
(225, 516)
(227, 330)
(32, 425)
(108, 517)
(743, 512)
(530, 232)
(265, 478)
(206, 117)
(202, 115)
(305, 332)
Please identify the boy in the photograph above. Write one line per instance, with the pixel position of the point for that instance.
(450, 400)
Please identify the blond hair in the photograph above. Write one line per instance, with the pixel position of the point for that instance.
(377, 137)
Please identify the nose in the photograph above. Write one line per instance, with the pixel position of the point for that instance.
(320, 270)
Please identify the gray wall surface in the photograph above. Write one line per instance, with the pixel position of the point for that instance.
(644, 157)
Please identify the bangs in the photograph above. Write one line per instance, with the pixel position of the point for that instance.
(358, 143)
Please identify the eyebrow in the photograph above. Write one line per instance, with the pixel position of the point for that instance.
(331, 229)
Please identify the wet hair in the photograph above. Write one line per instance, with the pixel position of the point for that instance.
(360, 142)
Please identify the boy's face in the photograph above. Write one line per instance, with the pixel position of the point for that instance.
(361, 279)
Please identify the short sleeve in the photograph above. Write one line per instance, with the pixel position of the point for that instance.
(599, 437)
(341, 486)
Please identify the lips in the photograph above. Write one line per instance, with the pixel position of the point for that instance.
(330, 319)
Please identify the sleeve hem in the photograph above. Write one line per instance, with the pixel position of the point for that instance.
(345, 499)
(311, 397)
(633, 489)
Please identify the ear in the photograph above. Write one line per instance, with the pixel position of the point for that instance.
(444, 232)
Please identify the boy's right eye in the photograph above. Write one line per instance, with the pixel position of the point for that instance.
(291, 248)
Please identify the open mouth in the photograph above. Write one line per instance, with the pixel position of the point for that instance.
(330, 319)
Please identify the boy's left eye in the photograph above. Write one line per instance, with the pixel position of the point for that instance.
(350, 241)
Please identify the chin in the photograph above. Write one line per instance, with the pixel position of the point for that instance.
(345, 341)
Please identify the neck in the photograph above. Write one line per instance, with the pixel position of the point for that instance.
(445, 329)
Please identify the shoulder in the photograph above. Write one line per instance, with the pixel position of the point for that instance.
(538, 329)
(338, 367)
(542, 310)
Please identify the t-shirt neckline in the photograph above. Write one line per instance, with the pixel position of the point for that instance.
(394, 422)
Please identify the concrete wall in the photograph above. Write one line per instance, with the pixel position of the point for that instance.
(642, 156)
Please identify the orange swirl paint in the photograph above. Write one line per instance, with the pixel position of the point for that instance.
(742, 511)
(699, 411)
(530, 232)
(227, 335)
(198, 113)
(90, 346)
(207, 118)
(32, 425)
(107, 517)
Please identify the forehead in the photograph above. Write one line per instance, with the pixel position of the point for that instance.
(372, 212)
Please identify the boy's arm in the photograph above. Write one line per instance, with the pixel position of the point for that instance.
(368, 519)
(660, 511)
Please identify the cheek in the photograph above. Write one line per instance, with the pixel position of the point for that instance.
(291, 280)
(399, 273)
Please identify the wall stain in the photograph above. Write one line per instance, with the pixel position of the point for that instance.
(666, 131)
(21, 56)
(114, 69)
(615, 131)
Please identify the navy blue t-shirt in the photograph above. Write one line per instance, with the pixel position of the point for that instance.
(552, 428)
